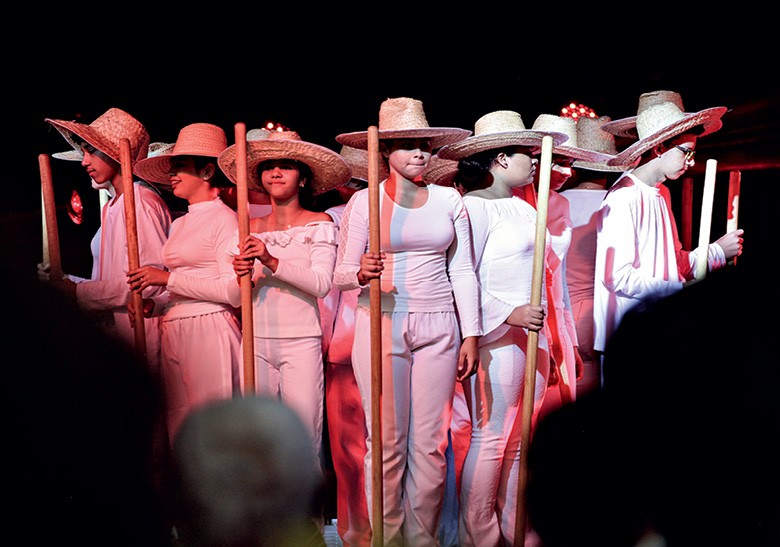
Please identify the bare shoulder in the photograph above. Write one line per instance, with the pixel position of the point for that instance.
(258, 224)
(316, 216)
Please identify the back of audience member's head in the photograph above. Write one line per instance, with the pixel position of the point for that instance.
(682, 441)
(245, 474)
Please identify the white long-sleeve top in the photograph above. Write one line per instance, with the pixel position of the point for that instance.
(638, 253)
(107, 288)
(285, 302)
(428, 255)
(199, 256)
(503, 235)
(560, 228)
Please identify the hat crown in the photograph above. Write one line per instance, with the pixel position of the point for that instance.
(284, 136)
(159, 149)
(656, 117)
(500, 121)
(402, 113)
(200, 139)
(591, 136)
(259, 134)
(558, 124)
(653, 98)
(115, 124)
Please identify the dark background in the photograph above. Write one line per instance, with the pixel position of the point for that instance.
(324, 70)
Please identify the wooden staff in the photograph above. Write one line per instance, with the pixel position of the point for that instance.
(51, 237)
(532, 347)
(733, 205)
(375, 306)
(706, 218)
(687, 212)
(556, 346)
(132, 244)
(247, 309)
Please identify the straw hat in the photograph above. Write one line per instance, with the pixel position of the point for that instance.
(497, 130)
(404, 118)
(570, 148)
(257, 134)
(626, 127)
(197, 139)
(358, 161)
(440, 171)
(591, 136)
(106, 133)
(659, 120)
(328, 168)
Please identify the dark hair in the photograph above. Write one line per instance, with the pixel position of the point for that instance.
(473, 171)
(218, 180)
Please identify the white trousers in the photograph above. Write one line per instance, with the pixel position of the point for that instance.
(291, 369)
(419, 363)
(200, 361)
(488, 493)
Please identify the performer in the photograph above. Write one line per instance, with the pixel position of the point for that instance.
(492, 163)
(201, 335)
(296, 250)
(638, 253)
(427, 285)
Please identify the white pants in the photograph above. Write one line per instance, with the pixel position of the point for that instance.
(292, 370)
(201, 356)
(419, 364)
(488, 494)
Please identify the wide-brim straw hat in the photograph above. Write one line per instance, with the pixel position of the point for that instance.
(404, 118)
(106, 134)
(591, 136)
(626, 127)
(440, 171)
(662, 121)
(571, 147)
(358, 161)
(197, 139)
(497, 130)
(328, 168)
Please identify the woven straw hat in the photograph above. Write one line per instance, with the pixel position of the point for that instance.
(197, 139)
(404, 118)
(591, 136)
(497, 130)
(440, 171)
(358, 161)
(106, 133)
(571, 147)
(257, 134)
(659, 120)
(626, 127)
(328, 168)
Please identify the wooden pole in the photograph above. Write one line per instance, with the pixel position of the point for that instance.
(247, 308)
(375, 306)
(733, 205)
(706, 218)
(132, 245)
(529, 385)
(687, 212)
(51, 237)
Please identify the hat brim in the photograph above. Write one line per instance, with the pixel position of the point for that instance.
(600, 166)
(582, 154)
(439, 136)
(480, 143)
(157, 169)
(443, 173)
(328, 168)
(69, 155)
(709, 118)
(626, 127)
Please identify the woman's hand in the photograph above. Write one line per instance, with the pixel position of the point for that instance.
(371, 266)
(252, 249)
(147, 276)
(468, 357)
(527, 316)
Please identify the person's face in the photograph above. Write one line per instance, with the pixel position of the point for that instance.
(561, 170)
(409, 157)
(280, 178)
(187, 181)
(676, 156)
(522, 168)
(99, 166)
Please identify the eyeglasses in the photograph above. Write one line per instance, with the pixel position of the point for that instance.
(689, 154)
